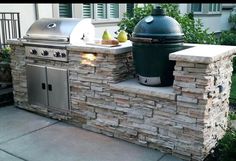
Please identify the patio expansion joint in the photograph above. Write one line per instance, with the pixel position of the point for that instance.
(29, 133)
(161, 157)
(13, 155)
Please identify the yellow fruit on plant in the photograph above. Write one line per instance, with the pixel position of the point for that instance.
(106, 35)
(122, 36)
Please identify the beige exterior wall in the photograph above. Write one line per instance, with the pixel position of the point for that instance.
(29, 12)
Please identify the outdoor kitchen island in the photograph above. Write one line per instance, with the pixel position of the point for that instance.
(185, 119)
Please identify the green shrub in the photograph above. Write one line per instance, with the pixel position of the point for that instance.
(228, 38)
(227, 146)
(232, 19)
(234, 65)
(192, 29)
(5, 54)
(128, 22)
(225, 149)
(232, 116)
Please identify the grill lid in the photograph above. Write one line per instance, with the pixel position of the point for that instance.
(64, 30)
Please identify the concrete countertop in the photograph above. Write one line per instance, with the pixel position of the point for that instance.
(196, 53)
(132, 85)
(122, 48)
(18, 41)
(202, 53)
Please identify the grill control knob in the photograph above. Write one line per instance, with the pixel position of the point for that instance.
(33, 51)
(57, 54)
(63, 55)
(45, 53)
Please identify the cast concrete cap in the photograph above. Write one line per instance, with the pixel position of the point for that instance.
(202, 53)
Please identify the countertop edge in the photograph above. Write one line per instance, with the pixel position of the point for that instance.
(17, 41)
(100, 49)
(217, 52)
(159, 93)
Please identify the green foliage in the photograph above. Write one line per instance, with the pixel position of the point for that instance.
(5, 54)
(232, 98)
(234, 65)
(228, 38)
(171, 10)
(232, 116)
(128, 22)
(192, 29)
(225, 149)
(227, 146)
(232, 19)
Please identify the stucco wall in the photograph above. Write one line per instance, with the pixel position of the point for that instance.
(45, 10)
(183, 8)
(100, 29)
(210, 21)
(27, 13)
(28, 16)
(215, 23)
(224, 20)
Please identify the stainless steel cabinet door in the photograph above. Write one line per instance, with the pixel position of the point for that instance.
(37, 84)
(58, 88)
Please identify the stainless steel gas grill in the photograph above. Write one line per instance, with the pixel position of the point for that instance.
(47, 38)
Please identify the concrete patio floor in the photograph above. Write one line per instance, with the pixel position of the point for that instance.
(25, 136)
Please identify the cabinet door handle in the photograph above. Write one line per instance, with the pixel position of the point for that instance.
(43, 86)
(50, 87)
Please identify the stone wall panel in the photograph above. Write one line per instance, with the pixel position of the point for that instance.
(186, 123)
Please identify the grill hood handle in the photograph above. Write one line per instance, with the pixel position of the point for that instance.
(141, 39)
(156, 40)
(47, 38)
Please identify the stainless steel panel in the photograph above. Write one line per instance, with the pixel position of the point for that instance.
(37, 84)
(51, 53)
(44, 42)
(58, 88)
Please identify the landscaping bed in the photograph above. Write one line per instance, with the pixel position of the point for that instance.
(6, 95)
(233, 92)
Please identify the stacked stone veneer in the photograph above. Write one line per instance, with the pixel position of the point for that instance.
(186, 120)
(202, 104)
(202, 84)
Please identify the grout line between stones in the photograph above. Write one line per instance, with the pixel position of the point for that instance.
(13, 155)
(28, 133)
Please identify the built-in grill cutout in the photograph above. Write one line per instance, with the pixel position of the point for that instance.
(47, 38)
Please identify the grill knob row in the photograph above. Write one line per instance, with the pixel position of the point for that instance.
(45, 53)
(54, 54)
